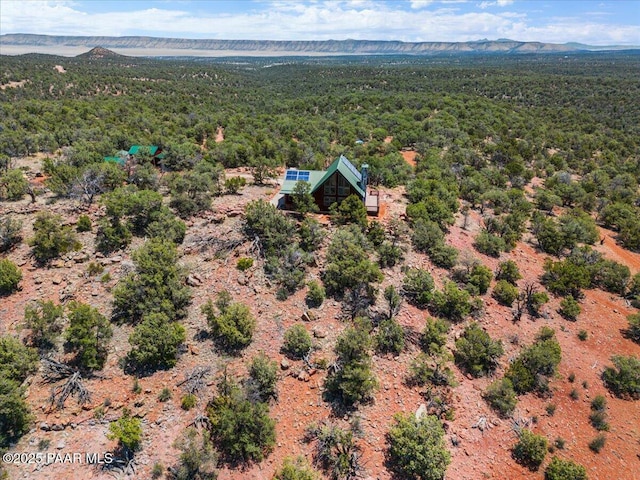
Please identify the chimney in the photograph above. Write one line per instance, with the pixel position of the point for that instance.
(364, 172)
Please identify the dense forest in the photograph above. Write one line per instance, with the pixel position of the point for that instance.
(535, 149)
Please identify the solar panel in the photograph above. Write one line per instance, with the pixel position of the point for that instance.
(353, 169)
(296, 175)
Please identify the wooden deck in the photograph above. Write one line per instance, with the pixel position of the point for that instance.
(372, 202)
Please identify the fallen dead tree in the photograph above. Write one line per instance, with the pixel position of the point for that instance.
(73, 385)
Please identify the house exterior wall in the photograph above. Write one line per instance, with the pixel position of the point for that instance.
(335, 189)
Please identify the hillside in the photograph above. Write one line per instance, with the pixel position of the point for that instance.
(158, 313)
(101, 53)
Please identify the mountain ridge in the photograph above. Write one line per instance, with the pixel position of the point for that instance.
(329, 47)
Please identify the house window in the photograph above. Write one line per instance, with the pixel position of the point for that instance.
(330, 186)
(343, 187)
(328, 201)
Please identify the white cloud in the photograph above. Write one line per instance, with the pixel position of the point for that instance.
(497, 3)
(318, 20)
(420, 4)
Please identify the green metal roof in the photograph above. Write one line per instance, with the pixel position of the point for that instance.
(151, 149)
(348, 171)
(118, 160)
(314, 177)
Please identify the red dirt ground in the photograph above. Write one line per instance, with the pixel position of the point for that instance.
(409, 157)
(479, 454)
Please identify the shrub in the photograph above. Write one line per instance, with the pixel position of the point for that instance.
(271, 226)
(165, 395)
(336, 450)
(84, 223)
(303, 201)
(166, 226)
(191, 192)
(480, 277)
(145, 177)
(13, 185)
(50, 238)
(611, 276)
(418, 287)
(634, 327)
(16, 360)
(242, 430)
(389, 254)
(198, 458)
(354, 381)
(477, 352)
(426, 235)
(10, 276)
(535, 301)
(489, 244)
(624, 378)
(569, 308)
(505, 293)
(155, 342)
(540, 359)
(597, 443)
(431, 369)
(574, 394)
(551, 409)
(263, 375)
(417, 448)
(297, 342)
(390, 337)
(44, 319)
(233, 326)
(598, 419)
(583, 335)
(234, 184)
(315, 295)
(156, 286)
(15, 418)
(566, 278)
(434, 335)
(287, 268)
(112, 235)
(127, 430)
(94, 268)
(444, 256)
(244, 263)
(157, 470)
(530, 450)
(10, 233)
(188, 401)
(348, 265)
(559, 443)
(501, 396)
(350, 210)
(311, 234)
(559, 469)
(599, 403)
(452, 303)
(88, 335)
(297, 469)
(508, 271)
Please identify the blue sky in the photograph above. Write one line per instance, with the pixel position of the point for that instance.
(593, 22)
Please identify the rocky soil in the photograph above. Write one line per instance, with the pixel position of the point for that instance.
(479, 441)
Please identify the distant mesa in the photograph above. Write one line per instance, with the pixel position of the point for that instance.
(100, 52)
(19, 43)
